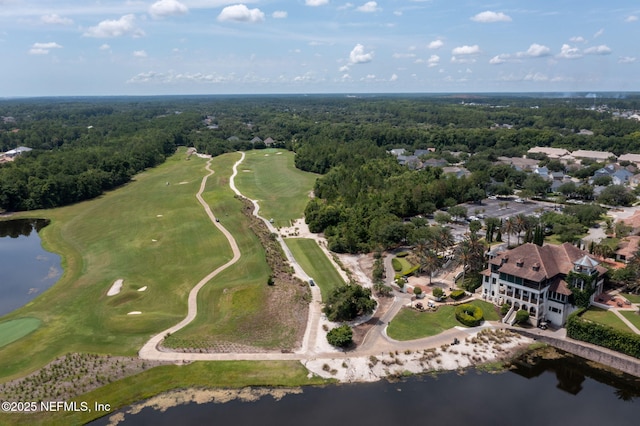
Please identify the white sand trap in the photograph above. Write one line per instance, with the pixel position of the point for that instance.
(278, 153)
(154, 241)
(266, 155)
(142, 288)
(247, 171)
(115, 288)
(184, 182)
(134, 313)
(158, 215)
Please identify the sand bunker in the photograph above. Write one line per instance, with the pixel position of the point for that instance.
(247, 171)
(158, 215)
(134, 313)
(154, 241)
(184, 182)
(142, 288)
(278, 153)
(115, 288)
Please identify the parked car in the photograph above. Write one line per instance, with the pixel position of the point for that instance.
(312, 282)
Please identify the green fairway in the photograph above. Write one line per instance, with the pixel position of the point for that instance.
(315, 263)
(270, 177)
(410, 324)
(198, 375)
(151, 233)
(604, 317)
(12, 330)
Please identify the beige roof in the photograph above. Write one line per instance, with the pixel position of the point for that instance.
(628, 247)
(633, 158)
(550, 152)
(596, 155)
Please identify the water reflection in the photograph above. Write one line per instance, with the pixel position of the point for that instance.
(26, 269)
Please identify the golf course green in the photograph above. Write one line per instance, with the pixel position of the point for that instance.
(12, 330)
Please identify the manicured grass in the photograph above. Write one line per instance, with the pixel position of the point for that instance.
(410, 324)
(604, 317)
(112, 237)
(633, 317)
(315, 263)
(270, 177)
(633, 298)
(406, 265)
(220, 374)
(12, 330)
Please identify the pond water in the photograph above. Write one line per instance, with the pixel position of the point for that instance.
(26, 269)
(563, 391)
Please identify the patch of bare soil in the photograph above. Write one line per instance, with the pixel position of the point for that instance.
(72, 375)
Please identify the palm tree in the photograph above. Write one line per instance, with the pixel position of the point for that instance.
(430, 263)
(508, 227)
(442, 239)
(520, 222)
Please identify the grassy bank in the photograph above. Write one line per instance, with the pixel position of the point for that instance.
(222, 374)
(270, 177)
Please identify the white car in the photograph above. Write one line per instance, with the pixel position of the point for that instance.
(519, 200)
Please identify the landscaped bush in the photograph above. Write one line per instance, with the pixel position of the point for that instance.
(397, 266)
(340, 336)
(602, 335)
(402, 254)
(438, 292)
(504, 309)
(469, 315)
(457, 294)
(522, 316)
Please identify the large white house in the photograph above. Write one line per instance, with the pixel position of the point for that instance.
(540, 279)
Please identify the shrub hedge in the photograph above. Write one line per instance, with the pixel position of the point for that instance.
(469, 315)
(397, 266)
(457, 294)
(402, 254)
(602, 335)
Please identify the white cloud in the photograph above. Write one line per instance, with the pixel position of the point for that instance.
(279, 14)
(627, 60)
(436, 44)
(631, 18)
(368, 7)
(537, 50)
(466, 50)
(403, 55)
(603, 49)
(139, 54)
(105, 46)
(173, 77)
(343, 68)
(358, 55)
(241, 13)
(499, 59)
(163, 8)
(43, 48)
(433, 61)
(568, 52)
(316, 2)
(56, 20)
(578, 39)
(598, 33)
(115, 28)
(537, 76)
(489, 16)
(394, 77)
(346, 6)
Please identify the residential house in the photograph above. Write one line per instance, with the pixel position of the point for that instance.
(554, 153)
(457, 171)
(398, 151)
(17, 151)
(256, 140)
(269, 141)
(627, 248)
(592, 155)
(540, 280)
(632, 158)
(518, 163)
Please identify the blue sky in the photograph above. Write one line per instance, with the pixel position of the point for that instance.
(80, 47)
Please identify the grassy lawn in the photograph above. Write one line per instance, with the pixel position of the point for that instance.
(221, 374)
(410, 324)
(633, 298)
(406, 265)
(604, 317)
(269, 176)
(633, 317)
(147, 233)
(12, 330)
(315, 263)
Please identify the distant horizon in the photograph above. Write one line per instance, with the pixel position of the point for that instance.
(176, 47)
(610, 94)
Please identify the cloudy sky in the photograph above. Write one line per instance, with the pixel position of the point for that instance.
(131, 47)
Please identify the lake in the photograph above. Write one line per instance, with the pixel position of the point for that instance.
(26, 269)
(564, 391)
